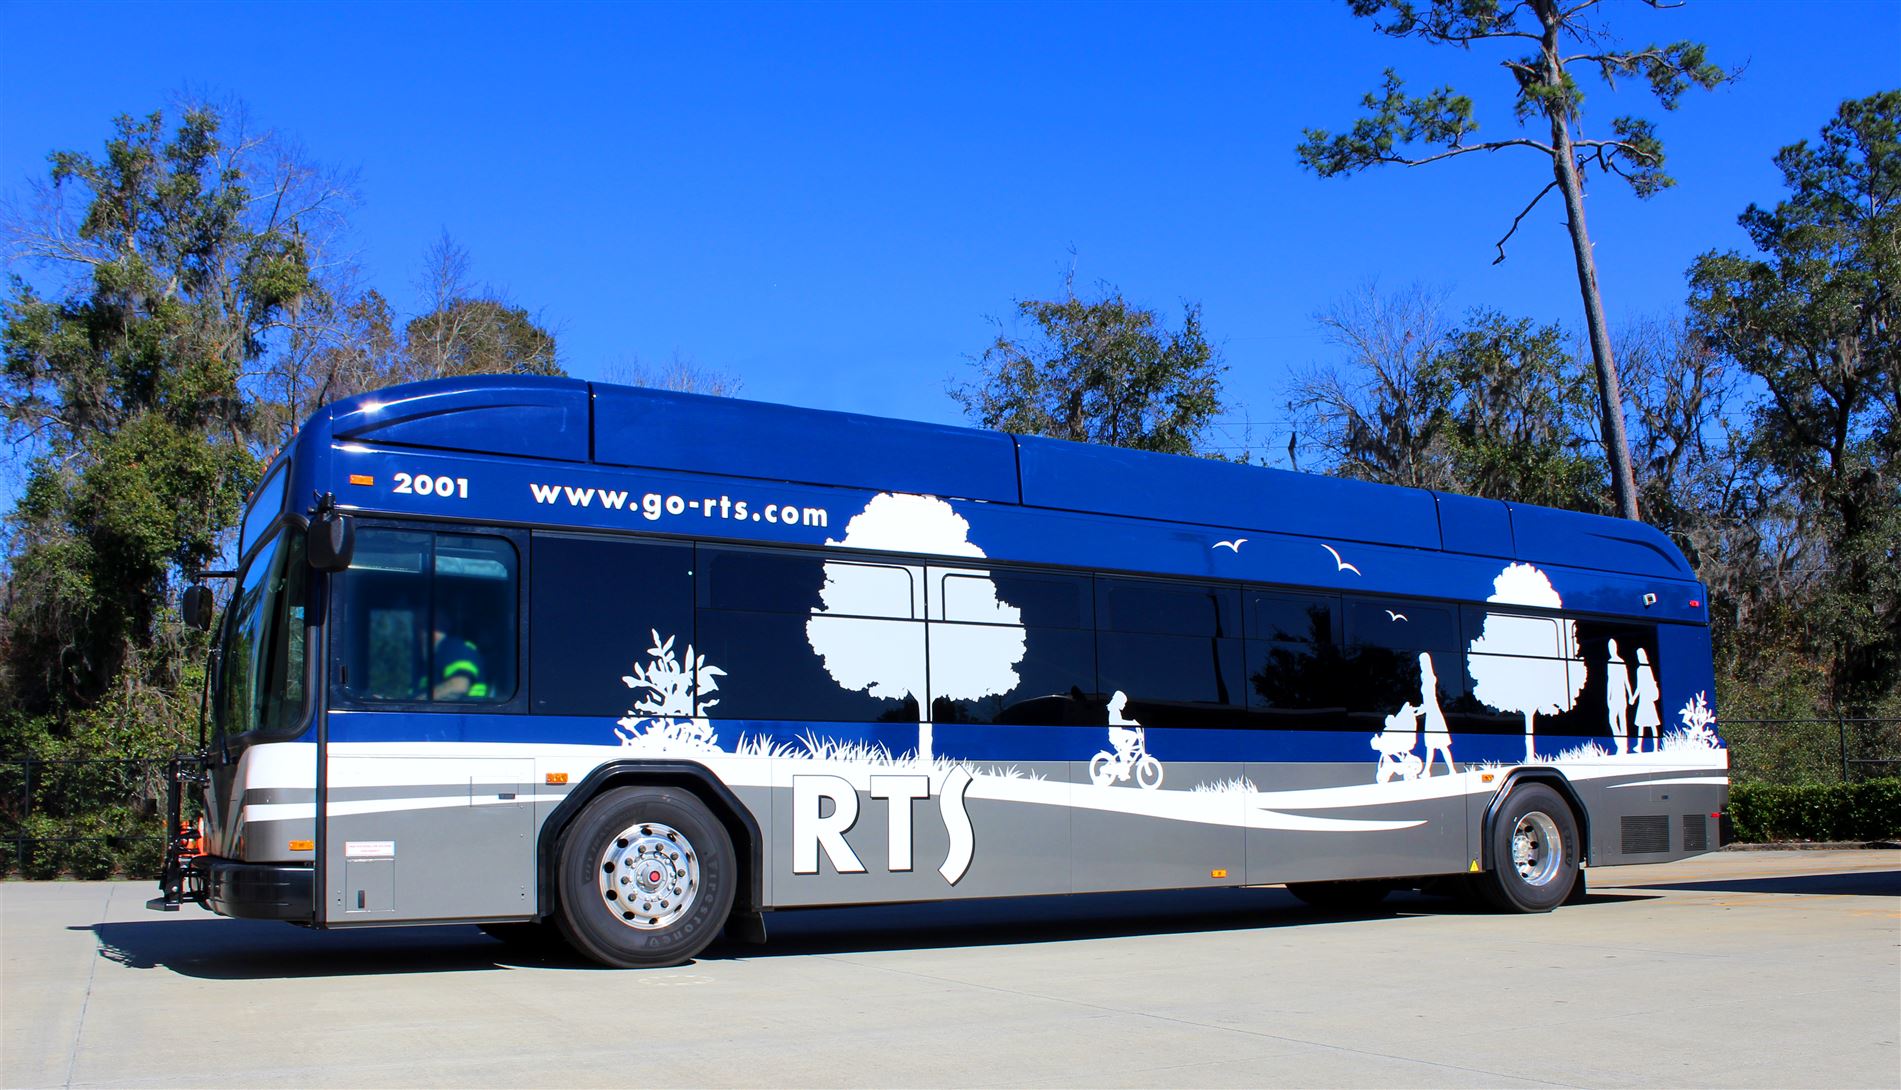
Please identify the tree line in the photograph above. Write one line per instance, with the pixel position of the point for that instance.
(192, 306)
(1760, 420)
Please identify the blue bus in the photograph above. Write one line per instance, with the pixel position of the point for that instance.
(632, 666)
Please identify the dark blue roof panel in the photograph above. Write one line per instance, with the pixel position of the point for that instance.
(1085, 477)
(569, 420)
(1546, 535)
(661, 430)
(520, 415)
(1471, 525)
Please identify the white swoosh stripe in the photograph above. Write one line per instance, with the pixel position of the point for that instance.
(1711, 781)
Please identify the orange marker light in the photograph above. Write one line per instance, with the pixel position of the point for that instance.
(362, 478)
(1217, 874)
(1485, 777)
(303, 845)
(557, 777)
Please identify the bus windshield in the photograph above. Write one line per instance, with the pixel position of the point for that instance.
(261, 673)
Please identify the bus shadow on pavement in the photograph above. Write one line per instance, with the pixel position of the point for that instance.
(1014, 921)
(1866, 883)
(1026, 920)
(220, 949)
(225, 949)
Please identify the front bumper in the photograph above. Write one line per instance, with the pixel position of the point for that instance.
(258, 891)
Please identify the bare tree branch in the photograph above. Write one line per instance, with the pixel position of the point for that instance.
(1519, 218)
(1464, 149)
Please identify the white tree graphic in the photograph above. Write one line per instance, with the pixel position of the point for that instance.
(1528, 665)
(669, 717)
(864, 629)
(1699, 724)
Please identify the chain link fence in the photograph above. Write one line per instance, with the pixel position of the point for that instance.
(100, 817)
(1820, 750)
(85, 817)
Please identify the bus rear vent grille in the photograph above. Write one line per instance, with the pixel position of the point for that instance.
(1696, 833)
(1646, 833)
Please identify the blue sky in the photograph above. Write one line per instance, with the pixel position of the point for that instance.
(833, 201)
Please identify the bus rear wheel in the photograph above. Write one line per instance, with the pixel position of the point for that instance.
(646, 877)
(1535, 852)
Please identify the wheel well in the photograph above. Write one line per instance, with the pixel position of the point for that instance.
(748, 846)
(1551, 778)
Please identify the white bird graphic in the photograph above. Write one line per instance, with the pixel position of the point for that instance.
(1343, 565)
(1232, 546)
(1396, 616)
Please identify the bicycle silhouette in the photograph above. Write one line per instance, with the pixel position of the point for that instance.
(1129, 757)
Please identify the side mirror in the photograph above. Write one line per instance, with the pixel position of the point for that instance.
(332, 540)
(197, 606)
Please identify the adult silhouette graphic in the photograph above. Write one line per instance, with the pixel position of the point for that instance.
(1617, 697)
(1433, 721)
(1648, 720)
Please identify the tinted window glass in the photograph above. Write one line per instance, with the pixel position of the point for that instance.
(1612, 696)
(601, 607)
(1170, 679)
(759, 582)
(1049, 685)
(1043, 600)
(1298, 684)
(1402, 625)
(1383, 681)
(1186, 609)
(429, 618)
(1514, 659)
(870, 670)
(265, 505)
(810, 638)
(853, 589)
(1292, 618)
(262, 683)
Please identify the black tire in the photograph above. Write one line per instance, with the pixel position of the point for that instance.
(1541, 876)
(1356, 896)
(1579, 894)
(625, 841)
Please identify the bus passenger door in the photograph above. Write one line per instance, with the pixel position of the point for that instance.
(427, 796)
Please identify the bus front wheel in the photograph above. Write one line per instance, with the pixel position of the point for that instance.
(647, 878)
(1535, 850)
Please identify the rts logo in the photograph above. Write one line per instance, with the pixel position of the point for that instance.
(812, 829)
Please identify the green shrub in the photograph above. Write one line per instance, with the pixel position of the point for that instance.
(113, 842)
(1870, 810)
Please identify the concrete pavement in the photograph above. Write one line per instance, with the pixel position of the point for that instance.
(1735, 969)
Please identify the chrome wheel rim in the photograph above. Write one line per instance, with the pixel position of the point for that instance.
(649, 876)
(1537, 849)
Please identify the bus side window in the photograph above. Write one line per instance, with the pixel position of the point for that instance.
(1012, 647)
(803, 637)
(429, 619)
(1389, 641)
(601, 607)
(473, 627)
(1297, 678)
(1173, 648)
(1604, 646)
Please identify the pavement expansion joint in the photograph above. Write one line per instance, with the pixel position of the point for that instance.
(92, 974)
